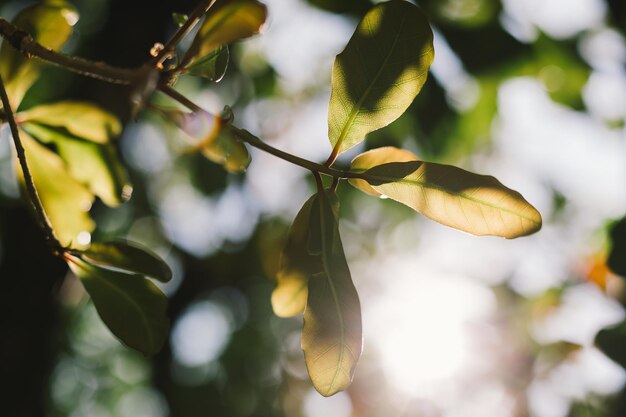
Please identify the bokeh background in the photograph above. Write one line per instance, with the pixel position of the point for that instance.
(531, 91)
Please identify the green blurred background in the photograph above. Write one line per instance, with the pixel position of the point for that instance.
(533, 92)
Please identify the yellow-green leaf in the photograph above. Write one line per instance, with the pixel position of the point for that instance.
(332, 334)
(377, 76)
(65, 201)
(96, 166)
(477, 204)
(49, 23)
(127, 256)
(131, 306)
(227, 22)
(83, 120)
(228, 151)
(296, 266)
(371, 159)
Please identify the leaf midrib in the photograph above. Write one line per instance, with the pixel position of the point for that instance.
(357, 108)
(327, 269)
(426, 184)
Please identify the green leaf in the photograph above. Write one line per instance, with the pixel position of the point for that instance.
(377, 76)
(212, 66)
(96, 166)
(65, 201)
(50, 24)
(473, 203)
(332, 334)
(131, 306)
(128, 256)
(296, 266)
(83, 120)
(227, 22)
(228, 151)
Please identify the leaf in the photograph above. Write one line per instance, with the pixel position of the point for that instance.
(377, 76)
(296, 266)
(50, 24)
(473, 203)
(212, 66)
(96, 166)
(373, 158)
(132, 307)
(228, 151)
(227, 22)
(85, 120)
(127, 256)
(332, 334)
(65, 201)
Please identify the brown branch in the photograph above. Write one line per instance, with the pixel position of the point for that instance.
(24, 43)
(31, 190)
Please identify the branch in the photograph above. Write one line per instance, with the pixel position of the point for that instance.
(24, 43)
(33, 196)
(189, 24)
(252, 140)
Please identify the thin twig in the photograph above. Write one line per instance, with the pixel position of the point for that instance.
(24, 43)
(189, 24)
(252, 140)
(31, 190)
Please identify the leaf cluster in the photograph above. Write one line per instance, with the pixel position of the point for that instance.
(375, 79)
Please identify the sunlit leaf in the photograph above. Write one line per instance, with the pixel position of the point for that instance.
(212, 66)
(332, 334)
(380, 72)
(127, 256)
(50, 24)
(227, 22)
(228, 151)
(131, 306)
(477, 204)
(296, 266)
(371, 159)
(83, 120)
(65, 201)
(94, 165)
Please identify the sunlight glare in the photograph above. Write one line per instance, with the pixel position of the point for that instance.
(423, 322)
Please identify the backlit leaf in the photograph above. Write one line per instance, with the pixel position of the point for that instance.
(332, 334)
(65, 201)
(94, 165)
(50, 24)
(227, 22)
(296, 266)
(127, 256)
(212, 66)
(131, 306)
(377, 76)
(476, 204)
(84, 120)
(228, 151)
